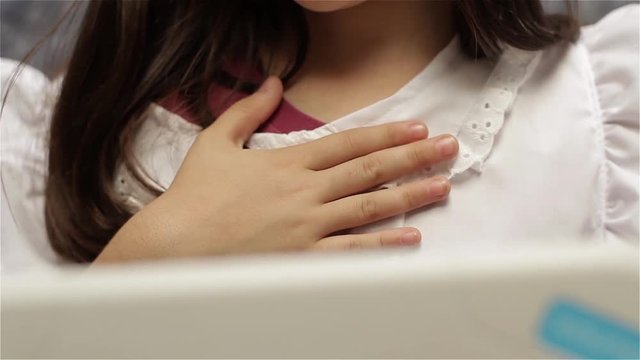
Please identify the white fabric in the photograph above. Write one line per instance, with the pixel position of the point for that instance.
(549, 144)
(23, 163)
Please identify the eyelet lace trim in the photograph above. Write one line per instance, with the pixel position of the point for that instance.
(476, 136)
(487, 117)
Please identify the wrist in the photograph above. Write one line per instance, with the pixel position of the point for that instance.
(145, 236)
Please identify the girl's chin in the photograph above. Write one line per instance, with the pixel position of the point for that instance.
(328, 5)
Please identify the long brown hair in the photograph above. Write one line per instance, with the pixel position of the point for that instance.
(132, 53)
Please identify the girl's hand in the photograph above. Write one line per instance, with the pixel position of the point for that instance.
(226, 199)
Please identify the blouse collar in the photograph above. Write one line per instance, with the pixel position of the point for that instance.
(450, 78)
(469, 99)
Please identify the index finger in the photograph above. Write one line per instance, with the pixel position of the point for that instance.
(338, 148)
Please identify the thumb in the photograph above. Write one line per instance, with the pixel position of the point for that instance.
(245, 116)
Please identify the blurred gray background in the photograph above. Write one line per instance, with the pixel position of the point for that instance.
(24, 22)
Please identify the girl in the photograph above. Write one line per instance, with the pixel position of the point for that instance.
(152, 120)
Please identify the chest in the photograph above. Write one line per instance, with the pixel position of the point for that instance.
(541, 182)
(541, 179)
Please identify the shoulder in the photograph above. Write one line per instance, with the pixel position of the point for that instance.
(28, 98)
(594, 83)
(617, 30)
(612, 52)
(28, 91)
(612, 47)
(605, 61)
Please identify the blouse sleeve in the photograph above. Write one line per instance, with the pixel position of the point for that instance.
(612, 45)
(24, 128)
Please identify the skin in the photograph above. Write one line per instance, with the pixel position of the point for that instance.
(328, 5)
(365, 52)
(217, 204)
(303, 194)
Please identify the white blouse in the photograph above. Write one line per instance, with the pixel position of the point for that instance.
(548, 146)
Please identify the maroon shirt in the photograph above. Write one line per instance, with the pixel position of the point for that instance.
(285, 119)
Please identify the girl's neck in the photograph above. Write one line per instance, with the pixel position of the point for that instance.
(363, 54)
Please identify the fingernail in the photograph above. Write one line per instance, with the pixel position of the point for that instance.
(410, 237)
(438, 188)
(418, 130)
(446, 146)
(266, 85)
